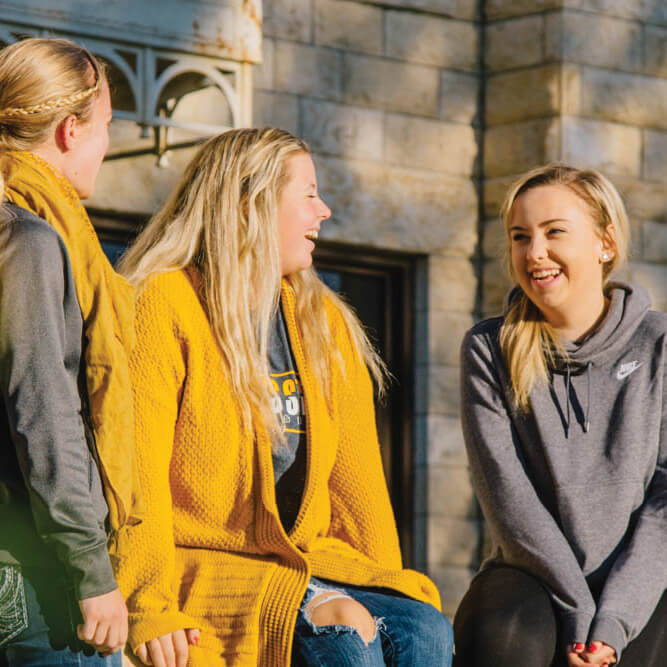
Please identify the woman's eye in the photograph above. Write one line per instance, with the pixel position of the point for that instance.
(519, 237)
(556, 230)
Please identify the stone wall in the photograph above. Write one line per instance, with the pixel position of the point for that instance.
(387, 96)
(411, 108)
(583, 81)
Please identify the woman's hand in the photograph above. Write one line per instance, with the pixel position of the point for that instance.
(596, 653)
(599, 653)
(170, 650)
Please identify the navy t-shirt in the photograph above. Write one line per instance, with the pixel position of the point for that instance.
(289, 458)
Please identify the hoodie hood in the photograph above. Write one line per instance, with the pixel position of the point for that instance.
(628, 306)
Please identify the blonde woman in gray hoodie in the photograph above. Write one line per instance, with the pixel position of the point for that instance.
(565, 424)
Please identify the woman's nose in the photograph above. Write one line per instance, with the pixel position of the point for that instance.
(325, 211)
(537, 249)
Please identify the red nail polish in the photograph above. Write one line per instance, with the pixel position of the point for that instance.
(578, 647)
(195, 640)
(592, 648)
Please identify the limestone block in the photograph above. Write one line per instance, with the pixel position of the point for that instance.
(453, 583)
(452, 541)
(495, 190)
(429, 40)
(308, 70)
(654, 241)
(276, 110)
(514, 43)
(437, 390)
(429, 144)
(645, 200)
(495, 285)
(348, 25)
(610, 147)
(624, 98)
(651, 11)
(655, 156)
(431, 212)
(494, 242)
(596, 40)
(262, 74)
(288, 19)
(440, 440)
(452, 284)
(459, 97)
(516, 147)
(502, 9)
(144, 185)
(391, 207)
(443, 338)
(390, 85)
(523, 95)
(655, 50)
(460, 9)
(652, 277)
(448, 491)
(336, 129)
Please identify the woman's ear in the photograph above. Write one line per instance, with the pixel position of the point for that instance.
(608, 245)
(67, 132)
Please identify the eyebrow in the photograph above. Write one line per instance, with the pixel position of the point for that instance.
(544, 223)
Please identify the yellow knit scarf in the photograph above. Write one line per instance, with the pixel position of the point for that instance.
(106, 300)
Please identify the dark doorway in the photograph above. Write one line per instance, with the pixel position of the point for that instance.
(380, 288)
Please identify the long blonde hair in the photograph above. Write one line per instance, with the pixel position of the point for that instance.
(222, 220)
(527, 340)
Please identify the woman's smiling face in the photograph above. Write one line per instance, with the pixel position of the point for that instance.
(557, 253)
(300, 214)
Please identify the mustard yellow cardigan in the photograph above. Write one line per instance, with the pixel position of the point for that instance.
(211, 552)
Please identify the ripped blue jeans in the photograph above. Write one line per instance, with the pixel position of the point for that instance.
(407, 633)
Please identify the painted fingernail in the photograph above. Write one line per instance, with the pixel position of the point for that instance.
(578, 647)
(592, 648)
(195, 640)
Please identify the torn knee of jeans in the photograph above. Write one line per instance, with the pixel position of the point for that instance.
(323, 597)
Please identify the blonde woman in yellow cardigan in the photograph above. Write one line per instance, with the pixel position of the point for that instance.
(269, 536)
(66, 327)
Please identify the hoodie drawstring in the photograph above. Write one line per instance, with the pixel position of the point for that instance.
(589, 391)
(567, 400)
(587, 421)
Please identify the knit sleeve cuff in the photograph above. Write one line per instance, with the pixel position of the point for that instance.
(146, 626)
(609, 630)
(575, 628)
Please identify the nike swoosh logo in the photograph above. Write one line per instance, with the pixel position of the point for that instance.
(627, 369)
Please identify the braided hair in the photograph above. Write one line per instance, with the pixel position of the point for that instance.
(42, 81)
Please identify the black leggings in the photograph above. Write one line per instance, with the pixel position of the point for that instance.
(507, 619)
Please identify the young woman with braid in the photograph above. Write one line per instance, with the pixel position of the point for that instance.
(269, 536)
(66, 327)
(565, 422)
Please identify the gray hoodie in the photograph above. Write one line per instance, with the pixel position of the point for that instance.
(575, 491)
(51, 499)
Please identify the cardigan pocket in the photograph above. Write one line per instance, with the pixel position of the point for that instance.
(13, 608)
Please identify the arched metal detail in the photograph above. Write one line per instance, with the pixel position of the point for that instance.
(147, 80)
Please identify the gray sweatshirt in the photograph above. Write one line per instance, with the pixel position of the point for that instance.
(575, 491)
(51, 499)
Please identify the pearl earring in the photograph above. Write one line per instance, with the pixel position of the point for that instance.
(605, 256)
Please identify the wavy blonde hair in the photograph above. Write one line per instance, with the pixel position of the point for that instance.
(221, 219)
(527, 340)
